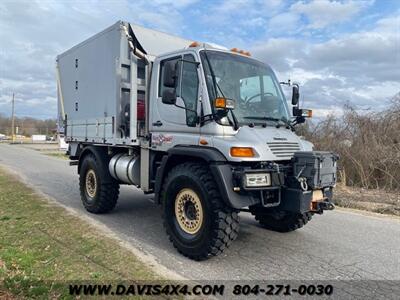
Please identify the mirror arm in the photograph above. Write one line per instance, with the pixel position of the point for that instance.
(235, 121)
(190, 62)
(206, 118)
(298, 120)
(188, 109)
(285, 83)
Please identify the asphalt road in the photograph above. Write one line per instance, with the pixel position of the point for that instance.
(337, 245)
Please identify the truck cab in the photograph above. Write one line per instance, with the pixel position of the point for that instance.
(260, 108)
(205, 129)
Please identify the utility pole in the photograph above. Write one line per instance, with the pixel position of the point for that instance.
(12, 120)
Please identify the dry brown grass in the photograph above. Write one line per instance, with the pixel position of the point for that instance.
(379, 201)
(368, 144)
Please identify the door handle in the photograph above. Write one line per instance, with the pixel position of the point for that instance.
(158, 124)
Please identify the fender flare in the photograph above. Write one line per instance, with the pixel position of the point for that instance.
(219, 166)
(207, 154)
(100, 153)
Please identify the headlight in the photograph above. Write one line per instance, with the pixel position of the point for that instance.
(257, 179)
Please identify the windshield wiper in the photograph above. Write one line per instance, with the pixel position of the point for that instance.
(284, 121)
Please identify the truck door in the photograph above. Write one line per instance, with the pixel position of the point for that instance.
(175, 120)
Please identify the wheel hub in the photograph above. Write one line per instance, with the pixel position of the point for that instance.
(91, 183)
(188, 211)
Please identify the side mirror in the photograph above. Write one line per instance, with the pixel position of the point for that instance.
(295, 95)
(169, 79)
(169, 96)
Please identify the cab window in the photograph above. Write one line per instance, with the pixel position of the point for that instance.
(187, 84)
(189, 88)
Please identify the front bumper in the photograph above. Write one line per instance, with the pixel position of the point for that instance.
(296, 200)
(278, 195)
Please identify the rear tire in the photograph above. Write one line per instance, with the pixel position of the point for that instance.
(99, 191)
(280, 221)
(197, 221)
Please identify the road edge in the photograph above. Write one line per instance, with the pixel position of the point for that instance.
(366, 213)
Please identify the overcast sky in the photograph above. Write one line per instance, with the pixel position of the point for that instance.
(339, 51)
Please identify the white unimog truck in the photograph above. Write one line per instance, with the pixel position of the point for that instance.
(205, 129)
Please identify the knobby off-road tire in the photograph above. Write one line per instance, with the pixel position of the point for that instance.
(280, 221)
(99, 191)
(197, 221)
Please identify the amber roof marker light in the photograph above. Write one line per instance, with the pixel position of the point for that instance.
(194, 44)
(240, 51)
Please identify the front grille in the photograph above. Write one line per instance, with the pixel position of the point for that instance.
(284, 149)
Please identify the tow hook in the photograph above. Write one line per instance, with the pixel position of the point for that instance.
(324, 205)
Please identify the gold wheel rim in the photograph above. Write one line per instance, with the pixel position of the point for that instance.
(91, 183)
(188, 211)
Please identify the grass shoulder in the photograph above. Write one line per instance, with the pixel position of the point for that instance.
(58, 154)
(42, 247)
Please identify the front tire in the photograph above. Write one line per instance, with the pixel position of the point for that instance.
(280, 221)
(99, 191)
(197, 221)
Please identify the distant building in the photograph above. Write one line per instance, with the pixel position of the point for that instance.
(38, 138)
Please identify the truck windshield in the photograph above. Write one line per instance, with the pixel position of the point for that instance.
(253, 86)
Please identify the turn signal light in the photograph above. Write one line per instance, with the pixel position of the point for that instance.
(307, 113)
(224, 103)
(203, 142)
(220, 103)
(242, 152)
